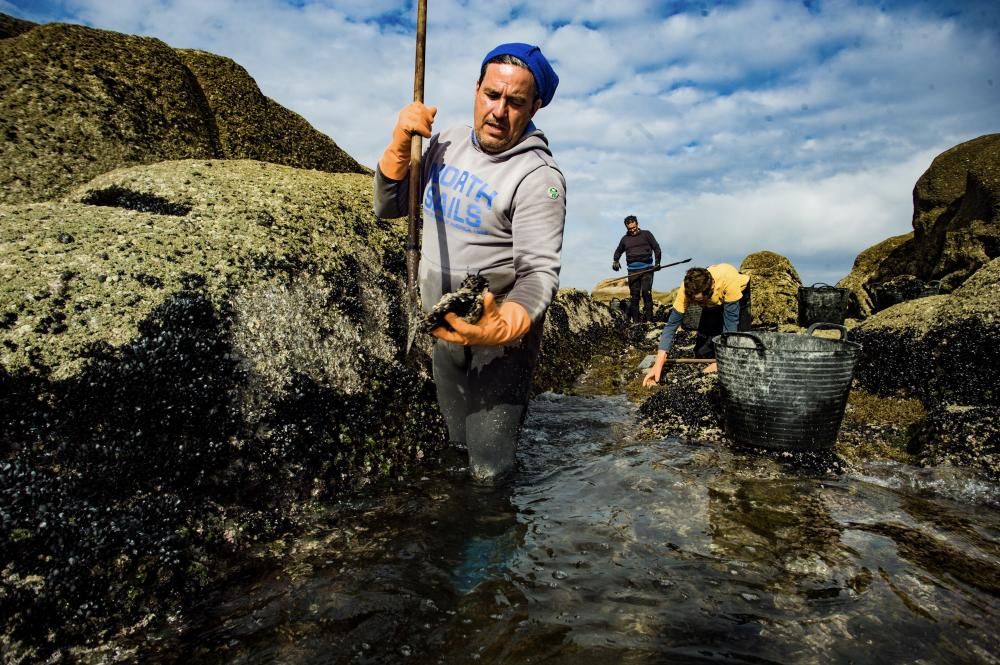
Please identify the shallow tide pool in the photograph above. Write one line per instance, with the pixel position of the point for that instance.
(611, 549)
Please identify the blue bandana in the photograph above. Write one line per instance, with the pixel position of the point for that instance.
(545, 77)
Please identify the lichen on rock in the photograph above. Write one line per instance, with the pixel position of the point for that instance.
(774, 288)
(78, 102)
(956, 225)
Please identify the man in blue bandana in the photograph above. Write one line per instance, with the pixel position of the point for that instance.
(494, 203)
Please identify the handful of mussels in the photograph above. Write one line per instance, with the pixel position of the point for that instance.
(467, 302)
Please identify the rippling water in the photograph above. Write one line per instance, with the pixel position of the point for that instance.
(610, 549)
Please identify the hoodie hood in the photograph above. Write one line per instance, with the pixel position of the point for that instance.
(532, 139)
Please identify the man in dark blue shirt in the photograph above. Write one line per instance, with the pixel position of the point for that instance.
(642, 253)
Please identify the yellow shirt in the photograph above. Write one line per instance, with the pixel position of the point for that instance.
(727, 286)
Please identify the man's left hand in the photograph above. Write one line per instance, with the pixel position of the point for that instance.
(496, 327)
(709, 369)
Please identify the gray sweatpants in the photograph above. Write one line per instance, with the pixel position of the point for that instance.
(483, 394)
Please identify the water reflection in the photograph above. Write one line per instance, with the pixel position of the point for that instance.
(607, 549)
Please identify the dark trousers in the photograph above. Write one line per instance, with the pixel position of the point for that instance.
(483, 394)
(641, 286)
(711, 325)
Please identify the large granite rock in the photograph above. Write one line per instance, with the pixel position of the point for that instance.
(774, 288)
(941, 349)
(610, 289)
(615, 288)
(956, 212)
(199, 349)
(91, 267)
(869, 268)
(193, 347)
(252, 126)
(76, 102)
(284, 273)
(956, 225)
(577, 327)
(11, 26)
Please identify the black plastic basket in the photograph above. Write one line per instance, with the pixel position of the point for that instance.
(785, 391)
(692, 317)
(822, 303)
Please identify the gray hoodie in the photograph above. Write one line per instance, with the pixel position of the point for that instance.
(500, 215)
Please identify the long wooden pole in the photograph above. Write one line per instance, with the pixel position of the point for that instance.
(689, 361)
(416, 153)
(643, 272)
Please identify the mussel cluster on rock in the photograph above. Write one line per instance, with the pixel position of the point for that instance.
(466, 302)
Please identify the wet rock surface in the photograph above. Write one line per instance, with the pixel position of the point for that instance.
(577, 329)
(687, 405)
(193, 354)
(941, 349)
(184, 369)
(961, 436)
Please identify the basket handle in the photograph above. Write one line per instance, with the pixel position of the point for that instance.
(822, 285)
(822, 325)
(758, 342)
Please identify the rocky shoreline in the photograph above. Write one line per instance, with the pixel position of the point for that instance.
(202, 334)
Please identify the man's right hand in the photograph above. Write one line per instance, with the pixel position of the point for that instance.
(653, 375)
(415, 118)
(616, 266)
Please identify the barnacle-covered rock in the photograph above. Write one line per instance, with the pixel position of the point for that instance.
(940, 349)
(688, 405)
(962, 436)
(774, 288)
(189, 352)
(466, 302)
(577, 328)
(78, 102)
(956, 225)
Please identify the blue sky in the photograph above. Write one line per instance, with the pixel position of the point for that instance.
(731, 127)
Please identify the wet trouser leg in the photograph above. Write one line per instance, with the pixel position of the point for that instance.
(711, 324)
(635, 291)
(483, 394)
(745, 317)
(647, 296)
